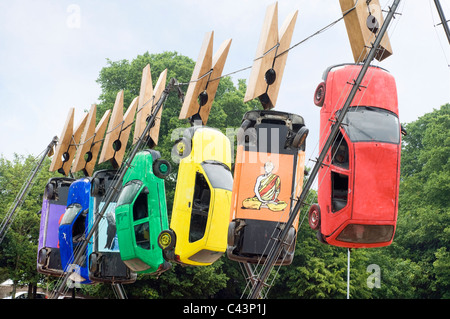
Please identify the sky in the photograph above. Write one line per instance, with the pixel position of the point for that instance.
(51, 53)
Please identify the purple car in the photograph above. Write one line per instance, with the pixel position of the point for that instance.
(53, 208)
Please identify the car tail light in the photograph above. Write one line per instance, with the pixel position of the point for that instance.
(366, 234)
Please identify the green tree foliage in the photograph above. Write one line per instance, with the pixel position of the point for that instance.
(424, 210)
(19, 247)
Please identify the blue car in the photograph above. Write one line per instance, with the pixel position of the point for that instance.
(73, 230)
(105, 264)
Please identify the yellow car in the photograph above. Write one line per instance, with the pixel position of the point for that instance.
(201, 208)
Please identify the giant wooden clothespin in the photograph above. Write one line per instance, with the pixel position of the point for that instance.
(65, 150)
(87, 152)
(118, 131)
(271, 55)
(363, 19)
(148, 98)
(205, 79)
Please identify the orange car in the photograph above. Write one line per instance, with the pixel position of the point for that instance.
(268, 174)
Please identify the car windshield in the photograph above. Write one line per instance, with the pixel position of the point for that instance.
(370, 124)
(219, 174)
(71, 212)
(129, 192)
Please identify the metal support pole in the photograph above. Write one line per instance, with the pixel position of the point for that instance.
(348, 273)
(270, 261)
(251, 278)
(443, 20)
(119, 291)
(116, 186)
(19, 200)
(249, 271)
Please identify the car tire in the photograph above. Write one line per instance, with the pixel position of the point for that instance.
(314, 217)
(181, 148)
(321, 238)
(93, 263)
(161, 168)
(169, 255)
(95, 187)
(291, 240)
(319, 94)
(42, 257)
(49, 191)
(300, 137)
(231, 235)
(167, 239)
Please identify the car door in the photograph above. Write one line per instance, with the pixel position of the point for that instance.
(72, 232)
(336, 199)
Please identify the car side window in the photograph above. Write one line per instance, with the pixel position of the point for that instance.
(140, 214)
(140, 207)
(339, 192)
(79, 228)
(200, 208)
(142, 235)
(339, 151)
(339, 180)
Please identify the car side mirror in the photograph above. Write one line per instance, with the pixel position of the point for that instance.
(403, 131)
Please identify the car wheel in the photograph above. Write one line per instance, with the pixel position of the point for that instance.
(182, 148)
(43, 253)
(161, 168)
(314, 217)
(320, 238)
(93, 263)
(231, 229)
(49, 191)
(300, 137)
(290, 240)
(319, 94)
(169, 255)
(166, 239)
(95, 186)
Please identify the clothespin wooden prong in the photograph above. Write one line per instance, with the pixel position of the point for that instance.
(118, 131)
(148, 98)
(271, 55)
(66, 148)
(205, 79)
(87, 152)
(363, 19)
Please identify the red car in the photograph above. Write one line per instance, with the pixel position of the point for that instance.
(358, 182)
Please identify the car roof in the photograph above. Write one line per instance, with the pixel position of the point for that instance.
(341, 65)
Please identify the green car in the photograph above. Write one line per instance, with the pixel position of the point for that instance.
(141, 213)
